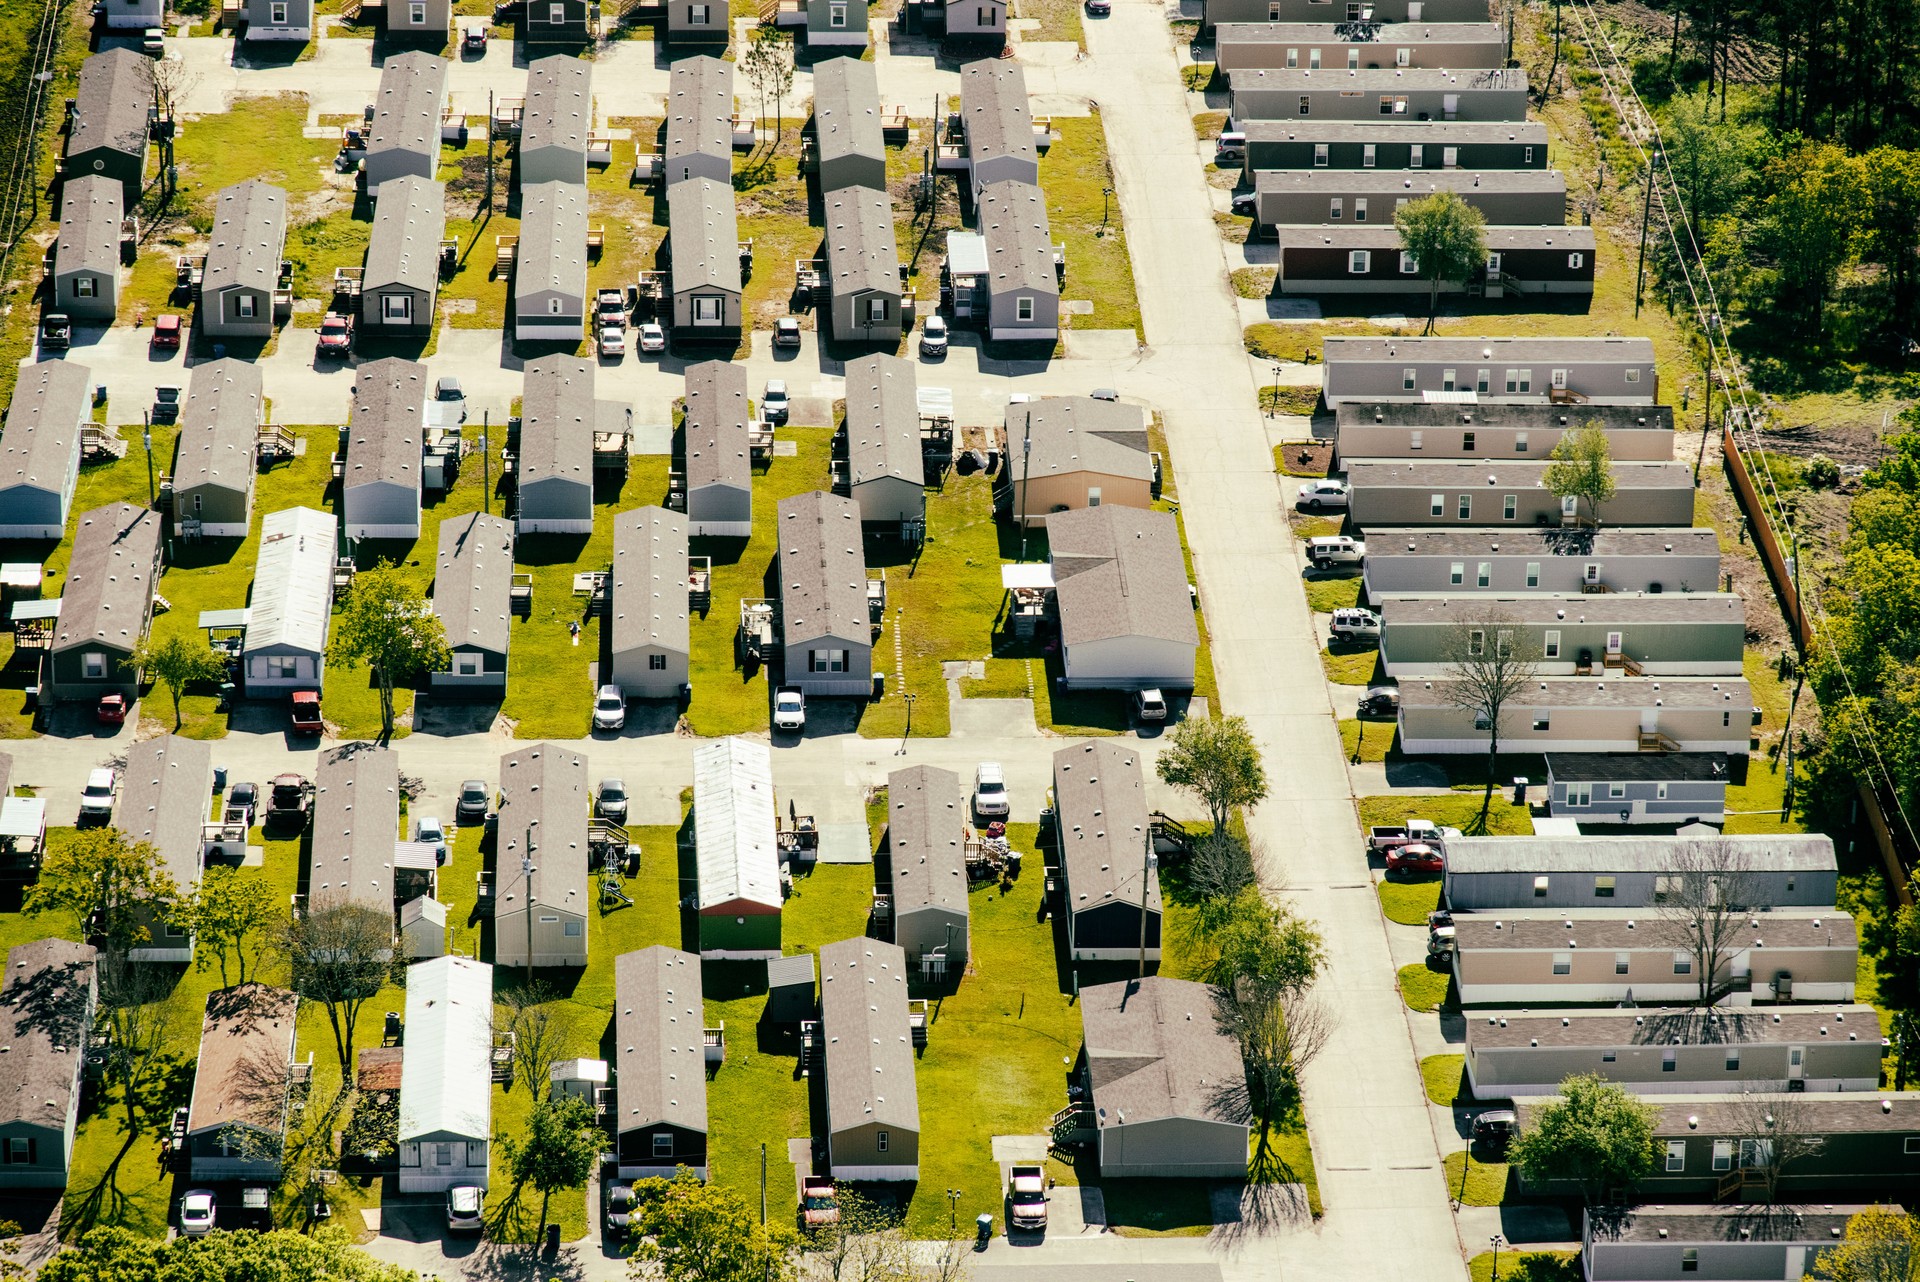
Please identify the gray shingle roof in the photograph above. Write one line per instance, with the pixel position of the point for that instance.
(1352, 33)
(1730, 693)
(559, 107)
(408, 224)
(1469, 351)
(1610, 418)
(1154, 1052)
(1385, 236)
(388, 427)
(226, 400)
(90, 216)
(927, 839)
(472, 578)
(1573, 608)
(703, 236)
(1119, 572)
(823, 569)
(863, 1011)
(553, 241)
(406, 111)
(1435, 133)
(1491, 473)
(246, 1044)
(883, 420)
(1377, 80)
(1384, 543)
(249, 233)
(164, 798)
(1674, 1026)
(50, 400)
(1648, 767)
(650, 581)
(112, 100)
(557, 418)
(356, 821)
(863, 255)
(1628, 929)
(716, 426)
(993, 105)
(1013, 223)
(846, 110)
(110, 579)
(700, 108)
(659, 1023)
(1775, 852)
(44, 1019)
(1071, 434)
(1672, 1227)
(544, 785)
(1820, 1112)
(1410, 184)
(1100, 806)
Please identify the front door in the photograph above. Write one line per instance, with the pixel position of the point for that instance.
(1796, 1061)
(1613, 642)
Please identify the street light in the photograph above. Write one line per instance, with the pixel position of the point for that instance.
(901, 751)
(1104, 193)
(1496, 1240)
(953, 1220)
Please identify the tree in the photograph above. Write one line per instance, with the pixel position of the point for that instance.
(1262, 951)
(341, 954)
(1594, 1135)
(113, 888)
(178, 663)
(562, 1142)
(693, 1231)
(114, 1254)
(1445, 237)
(768, 62)
(541, 1031)
(867, 1244)
(1709, 161)
(1774, 1133)
(1485, 672)
(1581, 468)
(1809, 224)
(136, 1009)
(386, 624)
(1216, 759)
(1880, 1244)
(1701, 900)
(231, 913)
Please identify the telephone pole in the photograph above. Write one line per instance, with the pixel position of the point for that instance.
(1646, 212)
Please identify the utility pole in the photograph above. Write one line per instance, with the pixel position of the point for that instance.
(486, 464)
(1711, 322)
(1646, 212)
(1146, 883)
(489, 197)
(1026, 472)
(526, 892)
(146, 437)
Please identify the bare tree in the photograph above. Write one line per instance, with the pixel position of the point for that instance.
(1279, 1036)
(173, 83)
(949, 1259)
(1774, 1132)
(136, 1011)
(1486, 671)
(1701, 898)
(541, 1030)
(341, 955)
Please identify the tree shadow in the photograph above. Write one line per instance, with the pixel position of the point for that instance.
(101, 1202)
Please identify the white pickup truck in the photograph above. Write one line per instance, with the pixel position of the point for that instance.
(1027, 1198)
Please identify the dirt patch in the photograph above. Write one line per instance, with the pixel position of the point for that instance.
(471, 180)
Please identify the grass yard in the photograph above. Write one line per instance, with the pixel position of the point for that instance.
(1351, 667)
(1757, 805)
(1297, 458)
(1422, 989)
(1257, 282)
(473, 297)
(1054, 19)
(1325, 593)
(1408, 902)
(1366, 741)
(1442, 1075)
(1527, 1266)
(1459, 810)
(1475, 1183)
(1073, 173)
(1314, 527)
(1005, 679)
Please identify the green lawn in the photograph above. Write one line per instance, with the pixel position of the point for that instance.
(1073, 173)
(1422, 989)
(1459, 810)
(1360, 667)
(1756, 805)
(1527, 1266)
(1475, 1183)
(1291, 399)
(1313, 527)
(1408, 902)
(1326, 594)
(1442, 1075)
(1257, 282)
(1366, 741)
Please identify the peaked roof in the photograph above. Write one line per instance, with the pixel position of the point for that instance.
(1073, 434)
(659, 1022)
(406, 115)
(552, 255)
(40, 444)
(389, 424)
(700, 108)
(226, 401)
(559, 108)
(1763, 852)
(863, 1013)
(717, 439)
(446, 1078)
(557, 421)
(927, 839)
(249, 234)
(356, 821)
(1100, 808)
(823, 569)
(863, 255)
(650, 581)
(1019, 239)
(163, 800)
(993, 103)
(246, 1049)
(111, 576)
(1119, 572)
(733, 824)
(90, 217)
(292, 601)
(112, 102)
(472, 582)
(408, 224)
(543, 790)
(883, 420)
(703, 236)
(1154, 1051)
(45, 1012)
(846, 110)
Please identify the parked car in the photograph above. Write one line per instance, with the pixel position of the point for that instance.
(196, 1213)
(990, 791)
(244, 797)
(933, 338)
(1415, 856)
(1329, 550)
(1382, 838)
(466, 1207)
(166, 403)
(336, 335)
(111, 710)
(1099, 8)
(611, 800)
(166, 333)
(774, 406)
(1230, 148)
(786, 332)
(652, 338)
(473, 39)
(429, 832)
(474, 802)
(289, 796)
(96, 799)
(610, 709)
(612, 343)
(610, 308)
(56, 332)
(1149, 705)
(818, 1206)
(1494, 1128)
(620, 1204)
(1324, 493)
(789, 708)
(1380, 701)
(1354, 623)
(1105, 393)
(1027, 1185)
(304, 713)
(153, 41)
(1245, 203)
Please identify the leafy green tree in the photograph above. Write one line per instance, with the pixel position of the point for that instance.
(386, 624)
(114, 1254)
(1900, 469)
(693, 1231)
(1709, 160)
(113, 888)
(1891, 232)
(1261, 950)
(1216, 759)
(341, 955)
(562, 1142)
(1886, 517)
(1809, 224)
(1880, 1244)
(1447, 239)
(177, 663)
(231, 912)
(1581, 468)
(1594, 1135)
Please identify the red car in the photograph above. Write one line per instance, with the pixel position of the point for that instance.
(336, 335)
(111, 710)
(166, 333)
(1415, 856)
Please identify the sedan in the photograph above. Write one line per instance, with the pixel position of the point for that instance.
(196, 1213)
(1415, 856)
(611, 801)
(1244, 203)
(466, 1205)
(652, 338)
(474, 802)
(610, 709)
(1380, 701)
(774, 406)
(1099, 8)
(1315, 495)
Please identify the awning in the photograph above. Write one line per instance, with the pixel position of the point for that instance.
(420, 855)
(23, 817)
(1029, 577)
(935, 402)
(20, 574)
(211, 619)
(1463, 397)
(967, 253)
(26, 610)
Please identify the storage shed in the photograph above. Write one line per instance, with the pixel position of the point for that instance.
(46, 1013)
(446, 1079)
(386, 437)
(926, 863)
(550, 264)
(237, 1120)
(651, 637)
(740, 893)
(846, 125)
(292, 605)
(699, 128)
(719, 460)
(423, 928)
(40, 448)
(873, 1100)
(86, 256)
(885, 472)
(240, 289)
(107, 606)
(472, 596)
(542, 883)
(555, 122)
(1110, 880)
(356, 821)
(827, 639)
(659, 1025)
(214, 464)
(1126, 608)
(404, 137)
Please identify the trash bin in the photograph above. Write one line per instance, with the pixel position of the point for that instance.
(1520, 790)
(219, 778)
(879, 686)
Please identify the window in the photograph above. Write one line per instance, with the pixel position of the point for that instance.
(1665, 887)
(1503, 643)
(1913, 1145)
(1466, 442)
(553, 307)
(283, 667)
(86, 287)
(1093, 496)
(662, 1145)
(1690, 1256)
(1484, 577)
(1402, 57)
(1360, 262)
(93, 665)
(576, 929)
(277, 15)
(1408, 378)
(1449, 157)
(1660, 794)
(1519, 380)
(1543, 723)
(1476, 642)
(1723, 1155)
(1313, 60)
(416, 15)
(1466, 507)
(826, 660)
(1353, 60)
(1540, 887)
(1359, 209)
(1733, 1061)
(1576, 261)
(1676, 1155)
(1608, 1057)
(1669, 1061)
(19, 1150)
(656, 663)
(1519, 442)
(1615, 791)
(1334, 208)
(1416, 439)
(1683, 963)
(1409, 265)
(1366, 155)
(1023, 309)
(1563, 963)
(876, 310)
(1320, 156)
(1306, 105)
(476, 1152)
(1533, 575)
(397, 307)
(1393, 104)
(1483, 381)
(880, 1141)
(245, 307)
(1551, 650)
(443, 1155)
(1726, 720)
(1458, 573)
(1633, 376)
(1579, 794)
(707, 311)
(1437, 504)
(1528, 158)
(1603, 887)
(1622, 963)
(557, 14)
(466, 665)
(1293, 57)
(1481, 721)
(1416, 156)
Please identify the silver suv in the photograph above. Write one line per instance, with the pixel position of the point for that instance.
(1355, 624)
(1327, 551)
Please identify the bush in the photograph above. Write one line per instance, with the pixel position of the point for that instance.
(1822, 472)
(373, 1133)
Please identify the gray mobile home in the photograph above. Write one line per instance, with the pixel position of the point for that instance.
(719, 464)
(112, 114)
(542, 900)
(699, 129)
(873, 1101)
(446, 1076)
(554, 462)
(279, 19)
(237, 1119)
(356, 822)
(1488, 492)
(404, 140)
(973, 19)
(1314, 143)
(1384, 96)
(1126, 611)
(659, 1025)
(1737, 1244)
(1157, 1072)
(46, 1012)
(885, 474)
(651, 642)
(1076, 452)
(163, 801)
(1332, 259)
(240, 292)
(863, 267)
(107, 606)
(1581, 714)
(1021, 283)
(697, 22)
(1675, 1050)
(1323, 197)
(735, 852)
(1639, 788)
(823, 596)
(703, 253)
(472, 596)
(1463, 561)
(424, 19)
(927, 870)
(1491, 429)
(214, 463)
(40, 448)
(1218, 12)
(1539, 371)
(836, 22)
(1355, 46)
(1109, 879)
(846, 125)
(555, 120)
(998, 124)
(292, 605)
(560, 22)
(402, 275)
(380, 491)
(86, 256)
(1702, 634)
(550, 264)
(1778, 870)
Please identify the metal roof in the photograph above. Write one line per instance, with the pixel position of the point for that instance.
(966, 253)
(1072, 434)
(1154, 1051)
(1769, 852)
(1507, 473)
(559, 108)
(1730, 693)
(543, 790)
(163, 800)
(863, 255)
(557, 419)
(389, 424)
(38, 447)
(356, 821)
(1550, 608)
(1019, 240)
(1120, 572)
(1372, 80)
(552, 254)
(472, 582)
(823, 569)
(446, 1078)
(1100, 808)
(869, 1051)
(219, 421)
(797, 969)
(927, 840)
(993, 107)
(1438, 133)
(246, 1047)
(293, 581)
(1643, 929)
(1616, 767)
(716, 426)
(1384, 544)
(699, 108)
(1671, 1026)
(248, 237)
(1467, 351)
(45, 1012)
(90, 217)
(112, 102)
(406, 110)
(409, 222)
(883, 420)
(703, 236)
(733, 824)
(111, 576)
(846, 110)
(650, 581)
(659, 1025)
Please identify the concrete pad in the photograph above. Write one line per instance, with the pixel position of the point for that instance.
(845, 843)
(653, 438)
(1102, 344)
(977, 719)
(370, 1217)
(1011, 1149)
(256, 857)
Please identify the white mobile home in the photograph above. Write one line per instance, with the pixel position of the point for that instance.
(292, 606)
(739, 865)
(446, 1078)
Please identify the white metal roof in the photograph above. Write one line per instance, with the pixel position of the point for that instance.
(23, 817)
(733, 822)
(446, 1076)
(293, 581)
(1013, 577)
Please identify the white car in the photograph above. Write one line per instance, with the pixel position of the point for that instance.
(652, 338)
(96, 799)
(196, 1213)
(789, 708)
(774, 406)
(933, 338)
(990, 791)
(610, 709)
(466, 1208)
(1315, 495)
(613, 342)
